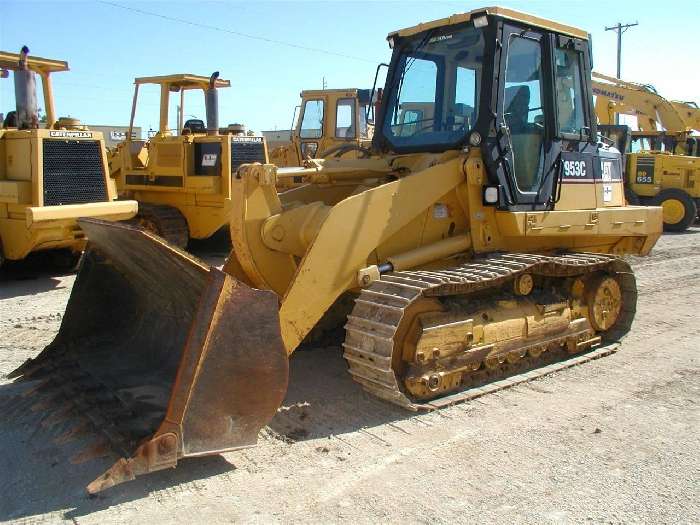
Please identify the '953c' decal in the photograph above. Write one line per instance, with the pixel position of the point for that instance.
(574, 168)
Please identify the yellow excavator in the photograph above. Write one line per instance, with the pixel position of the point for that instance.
(51, 173)
(479, 250)
(615, 96)
(689, 112)
(662, 167)
(182, 178)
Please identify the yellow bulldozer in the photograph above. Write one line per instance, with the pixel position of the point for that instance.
(52, 175)
(480, 250)
(182, 178)
(332, 122)
(661, 167)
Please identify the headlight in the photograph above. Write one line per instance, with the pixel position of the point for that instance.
(491, 195)
(475, 138)
(481, 21)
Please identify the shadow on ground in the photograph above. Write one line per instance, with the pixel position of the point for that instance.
(323, 400)
(41, 473)
(35, 274)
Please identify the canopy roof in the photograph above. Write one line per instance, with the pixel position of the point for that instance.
(37, 64)
(182, 81)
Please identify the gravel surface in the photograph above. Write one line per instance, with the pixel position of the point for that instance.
(611, 441)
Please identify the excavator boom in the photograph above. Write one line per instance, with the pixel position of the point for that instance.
(615, 96)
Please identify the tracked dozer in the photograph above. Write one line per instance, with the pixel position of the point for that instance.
(51, 172)
(480, 243)
(181, 177)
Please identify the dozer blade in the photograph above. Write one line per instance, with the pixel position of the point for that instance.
(164, 356)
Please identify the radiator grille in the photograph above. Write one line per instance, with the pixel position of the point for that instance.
(246, 152)
(73, 172)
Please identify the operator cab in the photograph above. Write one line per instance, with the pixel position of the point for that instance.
(516, 86)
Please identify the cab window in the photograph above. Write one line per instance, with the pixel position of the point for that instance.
(364, 129)
(345, 119)
(569, 87)
(312, 120)
(523, 111)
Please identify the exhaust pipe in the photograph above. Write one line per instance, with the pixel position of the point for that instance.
(211, 101)
(25, 94)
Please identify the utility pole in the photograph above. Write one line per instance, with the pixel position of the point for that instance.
(619, 29)
(324, 83)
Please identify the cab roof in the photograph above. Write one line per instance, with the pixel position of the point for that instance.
(320, 92)
(501, 12)
(183, 81)
(37, 64)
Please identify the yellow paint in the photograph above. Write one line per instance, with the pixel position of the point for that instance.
(290, 154)
(674, 211)
(161, 170)
(27, 225)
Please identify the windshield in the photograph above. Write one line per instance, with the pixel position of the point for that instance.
(433, 97)
(652, 143)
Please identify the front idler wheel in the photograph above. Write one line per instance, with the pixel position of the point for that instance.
(604, 298)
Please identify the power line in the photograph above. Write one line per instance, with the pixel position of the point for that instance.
(236, 33)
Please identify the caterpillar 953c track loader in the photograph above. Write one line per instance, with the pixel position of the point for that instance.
(481, 242)
(49, 176)
(182, 178)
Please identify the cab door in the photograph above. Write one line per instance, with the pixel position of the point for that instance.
(526, 150)
(310, 129)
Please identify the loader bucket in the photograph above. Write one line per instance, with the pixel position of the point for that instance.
(161, 355)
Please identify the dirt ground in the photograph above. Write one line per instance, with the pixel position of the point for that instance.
(611, 441)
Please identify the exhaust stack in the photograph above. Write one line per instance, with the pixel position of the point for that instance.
(211, 101)
(25, 94)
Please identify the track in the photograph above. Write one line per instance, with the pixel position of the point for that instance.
(612, 441)
(373, 325)
(165, 221)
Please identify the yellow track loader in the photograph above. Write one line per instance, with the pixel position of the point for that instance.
(480, 247)
(182, 178)
(332, 122)
(49, 176)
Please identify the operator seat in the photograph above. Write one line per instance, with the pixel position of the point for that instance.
(194, 126)
(526, 137)
(516, 106)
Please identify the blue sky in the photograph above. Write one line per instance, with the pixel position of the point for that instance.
(292, 46)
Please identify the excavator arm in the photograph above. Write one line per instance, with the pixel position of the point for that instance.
(689, 112)
(615, 96)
